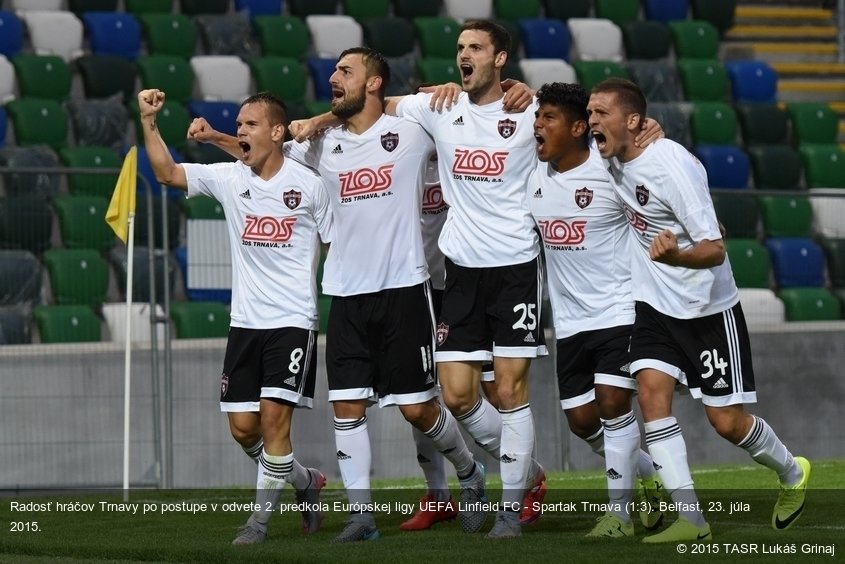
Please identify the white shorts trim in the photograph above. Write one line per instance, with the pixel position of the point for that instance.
(488, 376)
(239, 406)
(578, 401)
(733, 399)
(520, 352)
(462, 356)
(353, 394)
(407, 399)
(616, 381)
(660, 365)
(280, 393)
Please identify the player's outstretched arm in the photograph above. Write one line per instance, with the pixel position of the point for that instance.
(166, 170)
(518, 95)
(200, 130)
(704, 254)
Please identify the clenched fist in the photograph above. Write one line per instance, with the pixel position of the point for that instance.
(150, 102)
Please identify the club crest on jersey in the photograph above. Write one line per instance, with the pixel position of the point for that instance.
(292, 199)
(507, 127)
(224, 384)
(390, 141)
(642, 195)
(583, 197)
(442, 333)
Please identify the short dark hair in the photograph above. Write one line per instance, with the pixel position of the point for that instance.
(499, 36)
(374, 62)
(572, 99)
(628, 94)
(277, 111)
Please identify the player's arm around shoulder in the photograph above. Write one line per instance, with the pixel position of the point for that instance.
(704, 254)
(166, 170)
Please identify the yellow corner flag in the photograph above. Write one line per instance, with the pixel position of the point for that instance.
(123, 200)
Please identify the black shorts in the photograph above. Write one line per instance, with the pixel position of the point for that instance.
(710, 355)
(270, 364)
(589, 358)
(491, 312)
(380, 346)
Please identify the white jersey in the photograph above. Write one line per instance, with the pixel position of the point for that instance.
(434, 211)
(484, 157)
(585, 237)
(275, 227)
(666, 188)
(375, 183)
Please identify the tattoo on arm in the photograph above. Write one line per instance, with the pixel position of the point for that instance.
(152, 125)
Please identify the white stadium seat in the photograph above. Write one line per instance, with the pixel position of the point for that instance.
(7, 81)
(331, 35)
(829, 211)
(461, 10)
(57, 33)
(537, 72)
(761, 307)
(115, 316)
(221, 78)
(29, 5)
(595, 39)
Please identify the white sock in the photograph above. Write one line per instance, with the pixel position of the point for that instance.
(484, 425)
(254, 451)
(645, 464)
(517, 446)
(448, 440)
(273, 472)
(431, 463)
(669, 451)
(765, 448)
(354, 458)
(596, 442)
(621, 443)
(299, 477)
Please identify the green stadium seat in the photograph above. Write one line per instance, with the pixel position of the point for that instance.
(20, 278)
(285, 77)
(813, 122)
(695, 39)
(591, 73)
(513, 71)
(810, 304)
(763, 123)
(77, 276)
(304, 8)
(786, 216)
(200, 7)
(618, 11)
(713, 123)
(138, 7)
(392, 37)
(438, 71)
(324, 304)
(318, 107)
(38, 122)
(834, 250)
(169, 34)
(91, 157)
(282, 36)
(437, 37)
(81, 222)
(720, 13)
(202, 207)
(360, 9)
(172, 122)
(14, 326)
(704, 80)
(26, 222)
(740, 214)
(750, 262)
(410, 9)
(67, 324)
(106, 75)
(169, 73)
(646, 40)
(565, 9)
(199, 320)
(775, 167)
(513, 10)
(42, 76)
(824, 165)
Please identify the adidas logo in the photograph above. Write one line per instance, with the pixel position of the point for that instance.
(459, 121)
(625, 367)
(656, 465)
(290, 381)
(529, 338)
(613, 474)
(507, 459)
(337, 150)
(538, 193)
(245, 195)
(430, 379)
(342, 455)
(720, 384)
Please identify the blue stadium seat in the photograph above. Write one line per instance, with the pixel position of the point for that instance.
(665, 10)
(752, 81)
(113, 33)
(259, 7)
(145, 170)
(545, 39)
(221, 115)
(727, 165)
(321, 69)
(195, 294)
(11, 34)
(796, 262)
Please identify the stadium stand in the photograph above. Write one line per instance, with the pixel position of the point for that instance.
(55, 33)
(461, 10)
(713, 123)
(35, 5)
(172, 122)
(221, 78)
(14, 326)
(647, 40)
(565, 9)
(595, 39)
(658, 80)
(169, 73)
(752, 81)
(824, 165)
(4, 121)
(43, 76)
(750, 263)
(40, 185)
(727, 166)
(305, 8)
(437, 71)
(545, 39)
(141, 273)
(142, 234)
(8, 83)
(813, 122)
(761, 307)
(67, 324)
(810, 304)
(538, 71)
(828, 211)
(763, 123)
(77, 276)
(37, 121)
(618, 11)
(221, 115)
(107, 75)
(256, 8)
(694, 39)
(740, 214)
(513, 10)
(436, 37)
(834, 250)
(411, 9)
(591, 73)
(199, 320)
(786, 216)
(220, 295)
(775, 167)
(363, 9)
(200, 7)
(392, 37)
(332, 34)
(665, 10)
(227, 34)
(138, 7)
(113, 33)
(704, 80)
(321, 69)
(720, 13)
(796, 262)
(282, 36)
(115, 317)
(78, 7)
(20, 278)
(100, 123)
(169, 34)
(11, 34)
(283, 76)
(80, 222)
